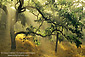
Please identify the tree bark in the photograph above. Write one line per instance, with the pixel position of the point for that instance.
(13, 21)
(56, 42)
(13, 42)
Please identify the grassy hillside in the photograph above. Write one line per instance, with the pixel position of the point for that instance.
(46, 48)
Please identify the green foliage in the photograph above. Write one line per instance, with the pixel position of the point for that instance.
(48, 31)
(63, 14)
(62, 2)
(30, 28)
(36, 42)
(39, 20)
(51, 1)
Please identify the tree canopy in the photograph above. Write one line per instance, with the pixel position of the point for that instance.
(65, 17)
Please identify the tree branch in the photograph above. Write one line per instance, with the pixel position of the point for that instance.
(46, 19)
(39, 26)
(41, 34)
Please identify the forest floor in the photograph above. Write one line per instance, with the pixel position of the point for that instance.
(45, 49)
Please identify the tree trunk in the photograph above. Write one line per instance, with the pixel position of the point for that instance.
(13, 42)
(56, 42)
(13, 21)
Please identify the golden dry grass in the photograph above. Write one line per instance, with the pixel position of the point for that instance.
(65, 49)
